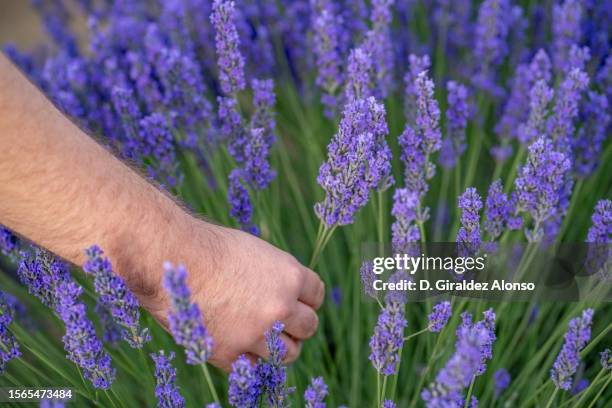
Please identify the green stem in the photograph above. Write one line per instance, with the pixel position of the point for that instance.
(469, 393)
(584, 393)
(211, 386)
(601, 390)
(416, 334)
(384, 388)
(552, 397)
(379, 403)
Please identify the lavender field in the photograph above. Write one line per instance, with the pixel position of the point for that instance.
(338, 131)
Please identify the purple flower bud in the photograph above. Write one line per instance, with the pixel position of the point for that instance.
(314, 396)
(264, 100)
(389, 404)
(460, 369)
(239, 199)
(577, 336)
(487, 324)
(497, 210)
(538, 184)
(380, 46)
(388, 338)
(456, 123)
(468, 235)
(502, 381)
(115, 297)
(9, 243)
(439, 316)
(368, 277)
(157, 143)
(184, 318)
(358, 80)
(227, 42)
(606, 359)
(416, 65)
(540, 97)
(404, 231)
(42, 273)
(566, 31)
(257, 168)
(358, 162)
(326, 26)
(167, 393)
(232, 128)
(244, 387)
(601, 229)
(272, 374)
(9, 348)
(580, 386)
(589, 140)
(80, 341)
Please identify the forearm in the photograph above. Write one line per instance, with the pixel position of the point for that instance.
(62, 190)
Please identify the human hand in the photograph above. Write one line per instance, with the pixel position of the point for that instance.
(242, 285)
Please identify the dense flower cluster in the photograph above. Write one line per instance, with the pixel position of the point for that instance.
(315, 394)
(184, 318)
(577, 336)
(388, 338)
(457, 113)
(468, 236)
(244, 386)
(358, 162)
(497, 210)
(8, 241)
(167, 392)
(80, 341)
(115, 297)
(9, 348)
(439, 316)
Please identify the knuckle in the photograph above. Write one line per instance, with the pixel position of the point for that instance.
(281, 311)
(310, 325)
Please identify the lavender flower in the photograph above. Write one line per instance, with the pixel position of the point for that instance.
(366, 272)
(456, 122)
(388, 338)
(561, 122)
(264, 100)
(591, 136)
(257, 168)
(601, 229)
(241, 208)
(167, 393)
(397, 295)
(487, 324)
(184, 319)
(416, 65)
(9, 348)
(539, 99)
(244, 387)
(379, 44)
(580, 386)
(315, 394)
(80, 341)
(115, 297)
(606, 359)
(126, 107)
(227, 42)
(468, 235)
(158, 144)
(42, 273)
(389, 404)
(272, 374)
(419, 143)
(497, 210)
(8, 241)
(538, 184)
(446, 390)
(111, 331)
(358, 162)
(358, 79)
(502, 381)
(576, 337)
(491, 47)
(404, 231)
(566, 31)
(231, 127)
(439, 316)
(327, 39)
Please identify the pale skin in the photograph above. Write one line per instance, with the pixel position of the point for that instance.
(62, 190)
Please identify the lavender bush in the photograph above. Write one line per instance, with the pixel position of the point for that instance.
(321, 125)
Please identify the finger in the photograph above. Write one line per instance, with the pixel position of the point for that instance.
(313, 289)
(302, 323)
(293, 348)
